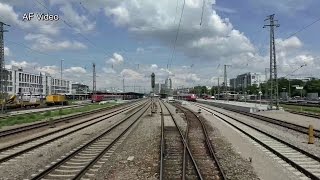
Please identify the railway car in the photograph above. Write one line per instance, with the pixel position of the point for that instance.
(56, 99)
(106, 97)
(187, 97)
(14, 103)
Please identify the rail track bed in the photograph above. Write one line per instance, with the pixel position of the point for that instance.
(296, 160)
(313, 115)
(191, 156)
(201, 146)
(288, 125)
(21, 148)
(84, 161)
(41, 124)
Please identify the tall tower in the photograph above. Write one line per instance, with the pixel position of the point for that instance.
(273, 62)
(153, 80)
(3, 72)
(94, 85)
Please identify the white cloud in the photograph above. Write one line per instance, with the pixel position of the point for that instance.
(9, 16)
(214, 39)
(116, 59)
(131, 74)
(140, 50)
(120, 14)
(154, 66)
(76, 70)
(80, 23)
(52, 70)
(45, 43)
(287, 44)
(6, 51)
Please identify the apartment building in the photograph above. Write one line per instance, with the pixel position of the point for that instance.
(25, 84)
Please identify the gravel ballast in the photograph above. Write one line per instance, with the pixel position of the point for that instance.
(238, 154)
(295, 138)
(20, 168)
(139, 155)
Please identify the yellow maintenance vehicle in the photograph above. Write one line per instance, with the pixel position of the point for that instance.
(56, 99)
(13, 102)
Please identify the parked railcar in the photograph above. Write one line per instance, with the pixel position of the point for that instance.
(187, 97)
(56, 99)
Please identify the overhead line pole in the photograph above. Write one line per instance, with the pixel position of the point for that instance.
(3, 74)
(273, 62)
(94, 85)
(226, 81)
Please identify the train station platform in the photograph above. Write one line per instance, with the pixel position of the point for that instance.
(235, 105)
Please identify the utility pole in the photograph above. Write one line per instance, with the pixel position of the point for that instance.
(226, 82)
(61, 75)
(218, 87)
(94, 85)
(123, 87)
(266, 78)
(3, 74)
(273, 62)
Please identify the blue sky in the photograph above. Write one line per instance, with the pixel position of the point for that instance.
(131, 39)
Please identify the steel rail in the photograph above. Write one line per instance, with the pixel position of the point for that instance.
(11, 156)
(74, 153)
(185, 143)
(292, 163)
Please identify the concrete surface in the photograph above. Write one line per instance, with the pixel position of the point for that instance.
(241, 106)
(265, 166)
(292, 118)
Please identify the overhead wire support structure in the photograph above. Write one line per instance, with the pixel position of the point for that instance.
(273, 62)
(94, 85)
(3, 74)
(225, 79)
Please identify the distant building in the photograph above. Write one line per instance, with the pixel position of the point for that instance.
(42, 84)
(168, 83)
(79, 88)
(246, 79)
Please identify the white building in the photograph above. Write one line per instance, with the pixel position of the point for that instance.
(42, 84)
(247, 79)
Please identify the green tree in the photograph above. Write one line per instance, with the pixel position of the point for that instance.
(253, 89)
(313, 86)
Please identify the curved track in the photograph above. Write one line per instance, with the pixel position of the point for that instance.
(194, 144)
(23, 147)
(79, 163)
(304, 162)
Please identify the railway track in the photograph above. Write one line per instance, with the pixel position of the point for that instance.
(82, 162)
(303, 163)
(18, 149)
(39, 110)
(197, 135)
(313, 115)
(288, 125)
(187, 157)
(172, 157)
(8, 132)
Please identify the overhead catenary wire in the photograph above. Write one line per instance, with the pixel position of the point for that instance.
(70, 26)
(177, 34)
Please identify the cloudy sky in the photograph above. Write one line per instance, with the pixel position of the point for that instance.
(133, 38)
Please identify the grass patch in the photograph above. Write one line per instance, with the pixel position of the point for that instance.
(301, 108)
(21, 119)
